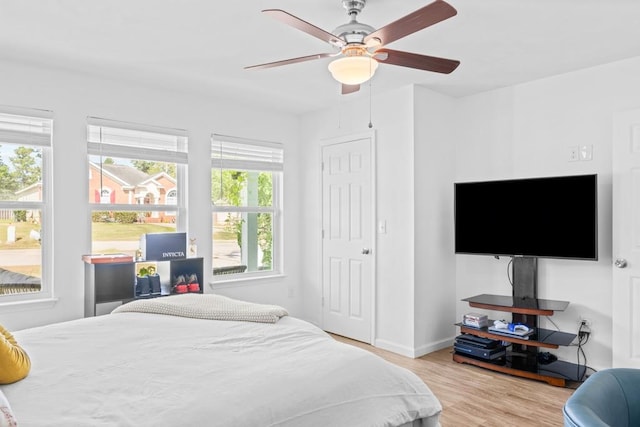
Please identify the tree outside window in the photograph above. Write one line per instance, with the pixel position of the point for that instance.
(25, 145)
(245, 183)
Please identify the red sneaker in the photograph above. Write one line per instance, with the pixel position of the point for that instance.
(193, 284)
(180, 287)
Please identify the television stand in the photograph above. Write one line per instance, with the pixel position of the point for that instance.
(522, 358)
(522, 355)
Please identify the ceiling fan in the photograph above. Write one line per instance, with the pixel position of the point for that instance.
(360, 47)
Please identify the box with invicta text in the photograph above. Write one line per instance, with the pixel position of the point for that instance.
(163, 246)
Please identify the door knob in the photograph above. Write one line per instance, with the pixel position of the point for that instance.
(365, 251)
(620, 263)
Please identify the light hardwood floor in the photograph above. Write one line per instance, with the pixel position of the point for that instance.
(472, 396)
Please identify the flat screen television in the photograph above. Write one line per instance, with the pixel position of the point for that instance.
(548, 217)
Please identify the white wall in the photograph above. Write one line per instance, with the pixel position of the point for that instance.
(434, 166)
(484, 150)
(525, 131)
(72, 97)
(395, 204)
(392, 121)
(414, 296)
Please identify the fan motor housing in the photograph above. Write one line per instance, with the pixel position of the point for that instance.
(353, 6)
(353, 32)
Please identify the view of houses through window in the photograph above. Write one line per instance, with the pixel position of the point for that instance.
(24, 149)
(135, 174)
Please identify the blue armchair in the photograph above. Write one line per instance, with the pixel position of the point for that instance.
(610, 397)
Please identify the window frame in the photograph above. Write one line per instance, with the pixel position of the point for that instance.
(45, 205)
(178, 156)
(276, 167)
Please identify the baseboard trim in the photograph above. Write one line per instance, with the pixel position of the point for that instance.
(413, 352)
(431, 347)
(394, 347)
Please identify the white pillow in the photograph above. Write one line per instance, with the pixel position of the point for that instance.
(7, 419)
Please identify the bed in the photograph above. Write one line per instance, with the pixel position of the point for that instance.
(136, 368)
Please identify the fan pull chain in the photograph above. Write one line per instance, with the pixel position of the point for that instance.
(370, 96)
(101, 166)
(370, 102)
(221, 191)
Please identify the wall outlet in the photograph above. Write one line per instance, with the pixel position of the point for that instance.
(584, 322)
(574, 153)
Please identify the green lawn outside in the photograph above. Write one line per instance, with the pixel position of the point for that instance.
(123, 236)
(23, 229)
(101, 231)
(113, 231)
(224, 235)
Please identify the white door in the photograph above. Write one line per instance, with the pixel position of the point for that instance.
(347, 244)
(626, 240)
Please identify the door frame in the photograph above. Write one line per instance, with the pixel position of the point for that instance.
(625, 337)
(371, 136)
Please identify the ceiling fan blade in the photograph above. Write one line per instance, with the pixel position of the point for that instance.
(430, 14)
(291, 61)
(414, 60)
(301, 25)
(347, 89)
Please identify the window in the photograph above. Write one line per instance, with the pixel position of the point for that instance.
(25, 203)
(246, 183)
(137, 176)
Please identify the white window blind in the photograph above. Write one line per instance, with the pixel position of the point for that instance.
(23, 130)
(229, 152)
(136, 141)
(27, 198)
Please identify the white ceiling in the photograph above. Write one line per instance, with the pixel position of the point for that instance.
(203, 45)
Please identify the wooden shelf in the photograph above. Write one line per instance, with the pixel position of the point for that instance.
(110, 283)
(535, 306)
(541, 338)
(521, 360)
(556, 373)
(106, 258)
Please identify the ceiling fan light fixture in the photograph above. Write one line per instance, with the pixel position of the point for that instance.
(363, 47)
(353, 70)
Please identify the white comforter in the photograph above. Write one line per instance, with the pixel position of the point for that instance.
(136, 369)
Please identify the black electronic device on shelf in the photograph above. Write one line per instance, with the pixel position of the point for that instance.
(480, 347)
(479, 352)
(476, 341)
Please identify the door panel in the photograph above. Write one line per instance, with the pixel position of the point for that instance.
(626, 240)
(348, 216)
(335, 276)
(355, 286)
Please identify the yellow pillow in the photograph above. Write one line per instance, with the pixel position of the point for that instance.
(14, 361)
